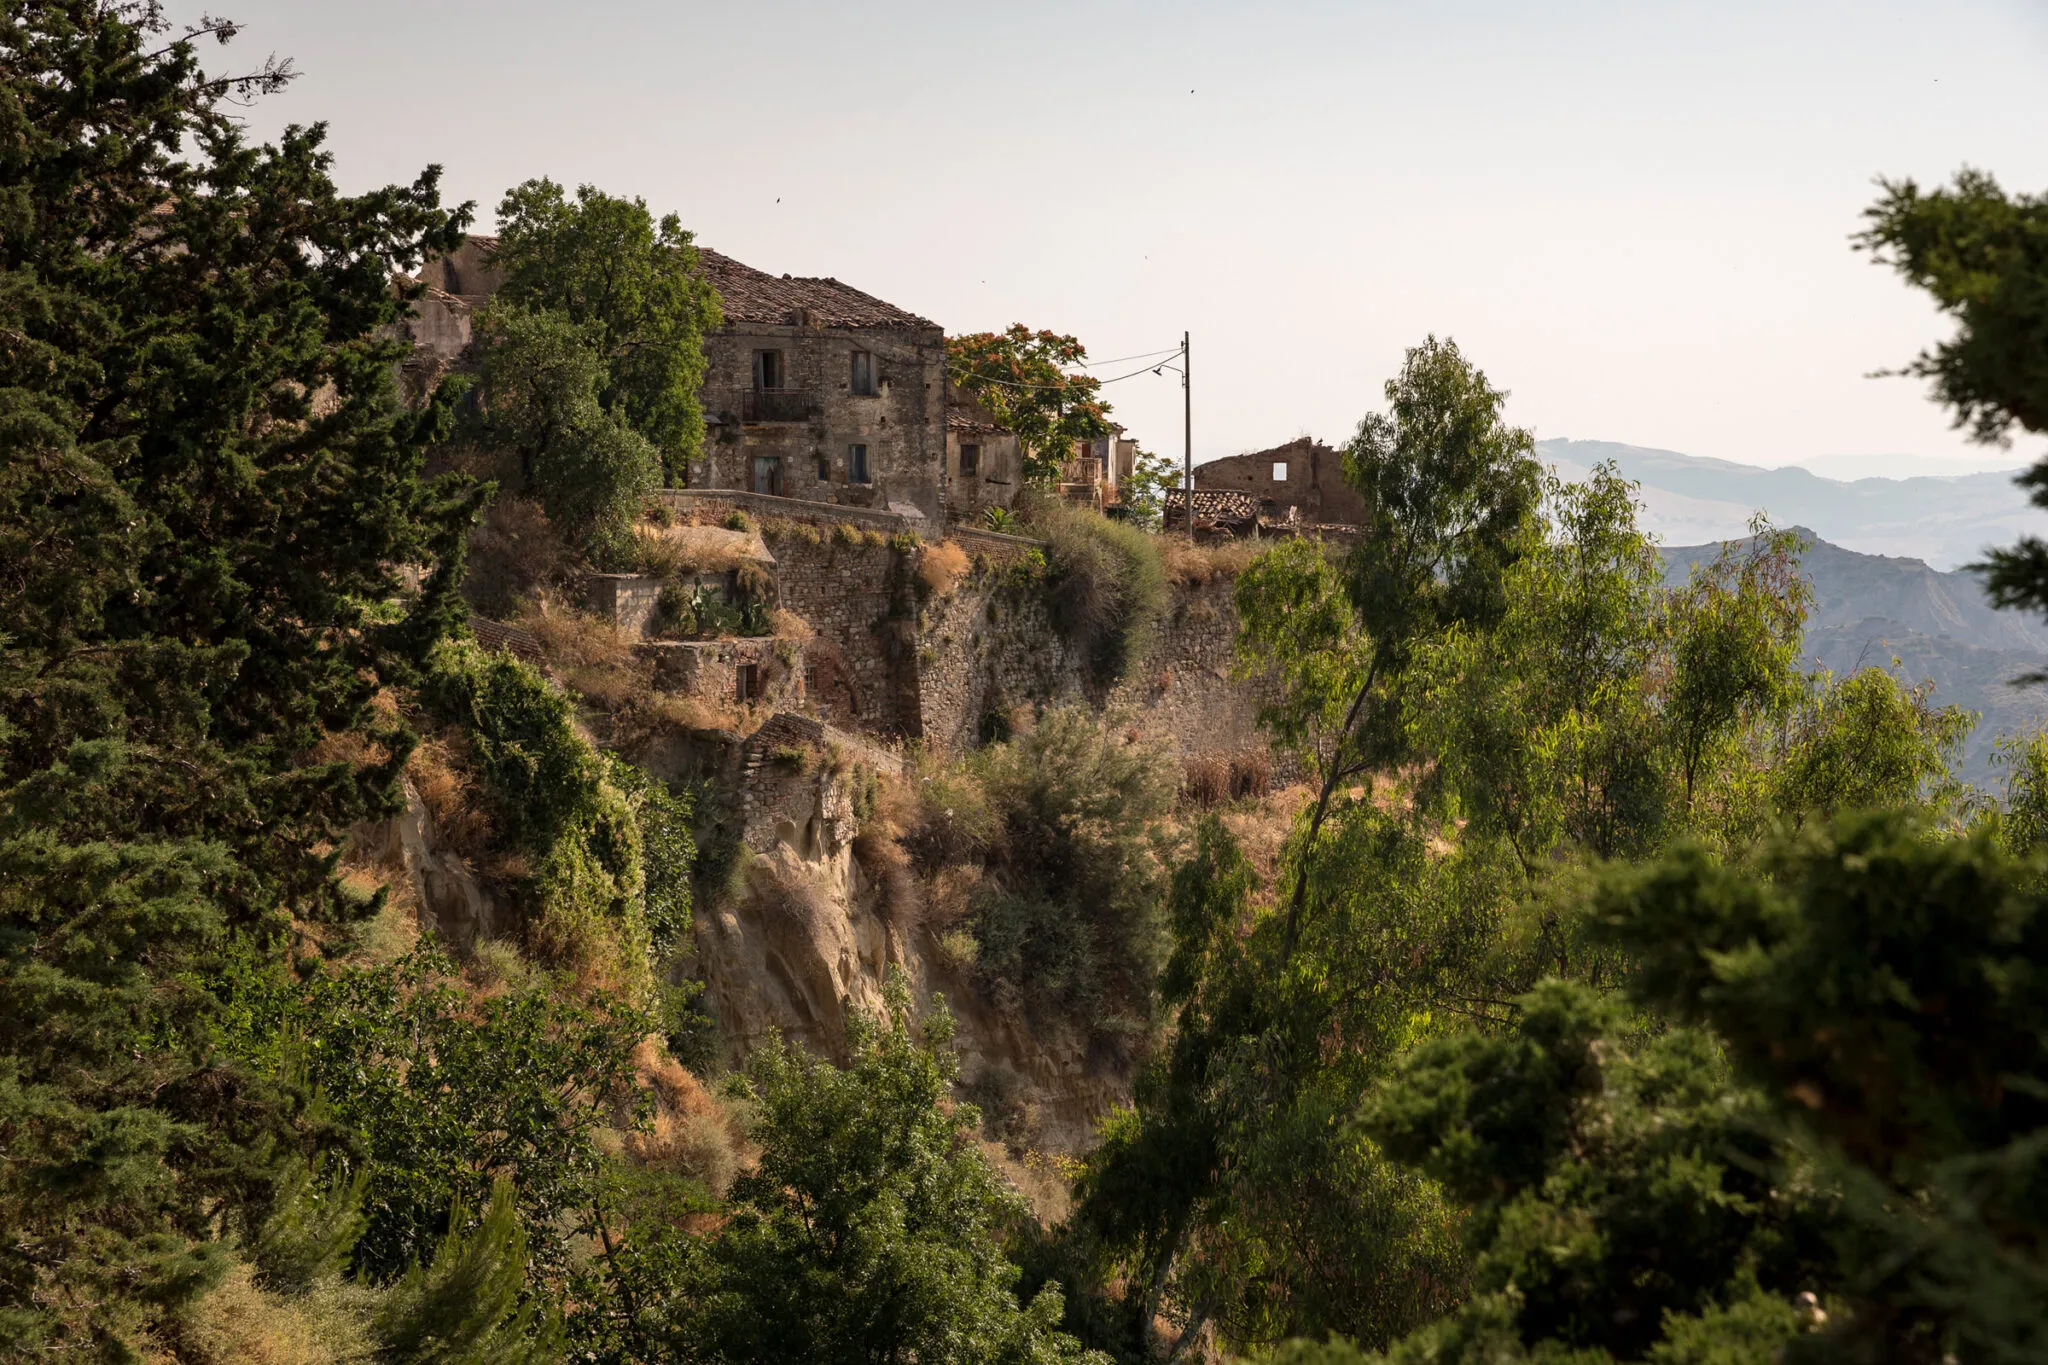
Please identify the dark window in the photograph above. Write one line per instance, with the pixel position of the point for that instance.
(856, 464)
(824, 469)
(970, 459)
(768, 370)
(863, 372)
(749, 682)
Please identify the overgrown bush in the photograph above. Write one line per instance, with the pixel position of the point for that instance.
(1068, 824)
(444, 1093)
(942, 567)
(1106, 589)
(553, 798)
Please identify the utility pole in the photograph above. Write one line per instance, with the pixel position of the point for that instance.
(1187, 433)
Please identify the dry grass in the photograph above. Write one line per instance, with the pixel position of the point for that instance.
(440, 772)
(691, 1133)
(1261, 827)
(1251, 774)
(514, 555)
(241, 1323)
(1211, 780)
(590, 654)
(942, 567)
(1205, 781)
(1191, 565)
(785, 624)
(666, 551)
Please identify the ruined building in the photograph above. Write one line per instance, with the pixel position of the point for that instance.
(984, 460)
(1302, 481)
(815, 390)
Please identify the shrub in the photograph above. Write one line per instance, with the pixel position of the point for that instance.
(1001, 520)
(942, 568)
(553, 801)
(513, 555)
(1251, 774)
(1067, 823)
(1205, 781)
(1106, 589)
(737, 521)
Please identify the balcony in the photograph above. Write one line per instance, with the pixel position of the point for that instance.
(776, 405)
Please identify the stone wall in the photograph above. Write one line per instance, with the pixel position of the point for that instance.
(992, 647)
(811, 426)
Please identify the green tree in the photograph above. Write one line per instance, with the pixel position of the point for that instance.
(542, 391)
(1983, 256)
(434, 1096)
(869, 1230)
(468, 1306)
(1142, 494)
(207, 489)
(1021, 377)
(1818, 1140)
(631, 287)
(1448, 487)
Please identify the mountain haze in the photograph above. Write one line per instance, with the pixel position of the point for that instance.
(1947, 521)
(1929, 626)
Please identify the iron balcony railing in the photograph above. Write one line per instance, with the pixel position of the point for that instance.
(777, 405)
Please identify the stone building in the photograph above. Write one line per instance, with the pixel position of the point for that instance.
(1096, 473)
(815, 390)
(443, 317)
(1300, 481)
(984, 460)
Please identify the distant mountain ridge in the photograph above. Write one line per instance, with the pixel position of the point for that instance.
(1869, 610)
(1946, 520)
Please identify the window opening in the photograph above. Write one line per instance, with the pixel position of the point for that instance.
(970, 459)
(863, 372)
(857, 464)
(1279, 471)
(768, 374)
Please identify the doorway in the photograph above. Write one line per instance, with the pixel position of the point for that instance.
(768, 475)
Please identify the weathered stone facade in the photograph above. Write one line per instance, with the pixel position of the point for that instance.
(818, 391)
(984, 461)
(1302, 481)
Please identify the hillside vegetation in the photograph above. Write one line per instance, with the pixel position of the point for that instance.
(1608, 985)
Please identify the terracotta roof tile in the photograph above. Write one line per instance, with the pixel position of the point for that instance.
(751, 295)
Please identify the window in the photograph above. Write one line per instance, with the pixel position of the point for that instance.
(970, 460)
(1279, 471)
(863, 372)
(747, 683)
(824, 468)
(856, 464)
(768, 371)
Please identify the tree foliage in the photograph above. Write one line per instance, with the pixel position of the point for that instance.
(1022, 378)
(869, 1230)
(207, 487)
(593, 357)
(1982, 254)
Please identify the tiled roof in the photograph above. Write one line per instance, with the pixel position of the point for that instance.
(751, 295)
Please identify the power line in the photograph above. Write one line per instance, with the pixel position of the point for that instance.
(1118, 360)
(1143, 369)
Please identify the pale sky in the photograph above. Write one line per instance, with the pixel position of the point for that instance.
(1635, 216)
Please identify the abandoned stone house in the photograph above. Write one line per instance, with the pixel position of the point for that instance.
(1301, 481)
(984, 460)
(815, 390)
(812, 390)
(1097, 472)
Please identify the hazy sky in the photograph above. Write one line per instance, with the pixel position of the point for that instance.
(1635, 216)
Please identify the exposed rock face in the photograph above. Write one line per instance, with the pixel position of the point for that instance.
(812, 940)
(453, 903)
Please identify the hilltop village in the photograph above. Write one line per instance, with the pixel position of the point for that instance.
(821, 588)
